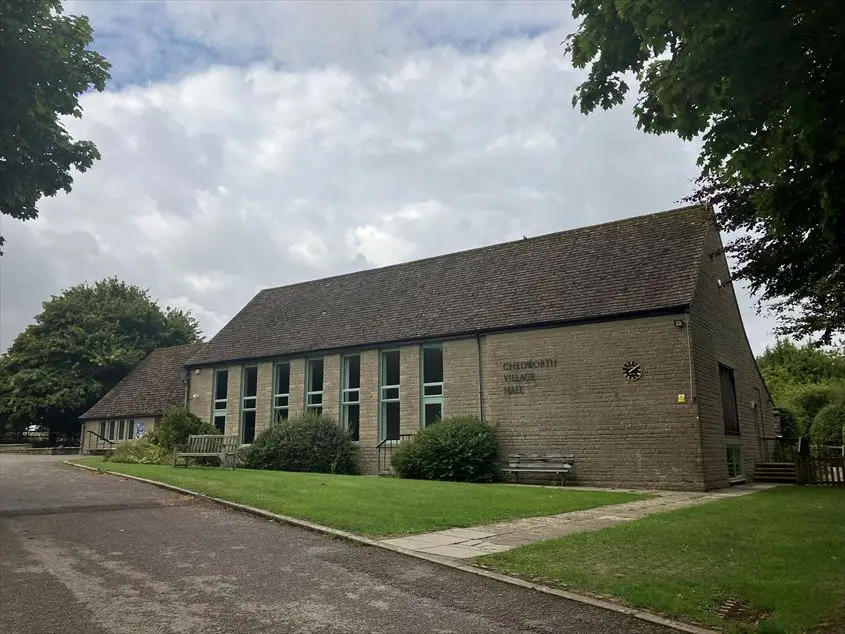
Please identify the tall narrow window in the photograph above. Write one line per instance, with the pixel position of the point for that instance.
(121, 427)
(281, 392)
(103, 428)
(221, 393)
(314, 386)
(112, 429)
(432, 384)
(351, 395)
(727, 387)
(130, 429)
(389, 395)
(248, 403)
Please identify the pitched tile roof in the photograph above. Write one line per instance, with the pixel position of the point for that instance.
(635, 265)
(150, 388)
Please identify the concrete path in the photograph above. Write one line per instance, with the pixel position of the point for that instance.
(95, 554)
(466, 543)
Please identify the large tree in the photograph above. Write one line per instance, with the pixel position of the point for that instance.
(45, 64)
(762, 83)
(82, 343)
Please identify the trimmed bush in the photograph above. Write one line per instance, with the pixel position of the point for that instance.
(828, 425)
(308, 442)
(177, 424)
(141, 451)
(459, 449)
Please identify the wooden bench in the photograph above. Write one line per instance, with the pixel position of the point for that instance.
(557, 464)
(207, 446)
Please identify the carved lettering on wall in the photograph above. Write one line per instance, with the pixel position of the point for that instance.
(523, 373)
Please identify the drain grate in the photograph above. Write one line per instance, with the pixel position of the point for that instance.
(733, 609)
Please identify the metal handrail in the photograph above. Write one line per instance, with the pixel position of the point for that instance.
(385, 452)
(100, 443)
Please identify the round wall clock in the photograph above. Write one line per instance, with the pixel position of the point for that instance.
(632, 370)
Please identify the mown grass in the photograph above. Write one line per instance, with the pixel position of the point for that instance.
(371, 505)
(781, 552)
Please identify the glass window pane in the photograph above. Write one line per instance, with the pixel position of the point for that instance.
(130, 429)
(282, 378)
(433, 413)
(103, 428)
(221, 384)
(315, 399)
(390, 367)
(315, 375)
(353, 414)
(352, 378)
(281, 401)
(220, 423)
(281, 414)
(351, 396)
(433, 364)
(390, 393)
(432, 390)
(250, 381)
(248, 428)
(121, 424)
(249, 403)
(391, 420)
(112, 426)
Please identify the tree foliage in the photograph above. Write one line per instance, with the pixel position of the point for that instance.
(762, 84)
(45, 64)
(82, 343)
(803, 380)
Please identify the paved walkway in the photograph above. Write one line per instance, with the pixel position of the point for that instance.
(466, 543)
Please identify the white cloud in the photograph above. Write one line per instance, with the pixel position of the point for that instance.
(327, 156)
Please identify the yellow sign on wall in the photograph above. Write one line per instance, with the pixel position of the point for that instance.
(682, 398)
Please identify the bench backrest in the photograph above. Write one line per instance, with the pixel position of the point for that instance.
(205, 443)
(528, 461)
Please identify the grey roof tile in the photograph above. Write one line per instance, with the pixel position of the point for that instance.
(150, 388)
(640, 264)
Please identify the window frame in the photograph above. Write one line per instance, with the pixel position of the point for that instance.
(431, 399)
(734, 462)
(349, 396)
(246, 407)
(316, 408)
(217, 410)
(385, 401)
(279, 406)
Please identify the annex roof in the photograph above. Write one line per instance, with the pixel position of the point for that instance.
(150, 388)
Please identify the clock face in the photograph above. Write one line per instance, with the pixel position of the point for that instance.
(632, 370)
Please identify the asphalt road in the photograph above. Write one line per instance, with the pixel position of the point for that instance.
(84, 553)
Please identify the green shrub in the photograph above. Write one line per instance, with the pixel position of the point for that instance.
(308, 442)
(141, 451)
(461, 449)
(828, 425)
(177, 424)
(806, 401)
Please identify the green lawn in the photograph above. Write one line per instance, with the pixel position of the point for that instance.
(370, 505)
(782, 552)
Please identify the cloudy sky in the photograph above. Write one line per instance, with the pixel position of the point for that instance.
(255, 144)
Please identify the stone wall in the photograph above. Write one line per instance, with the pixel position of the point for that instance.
(563, 390)
(718, 337)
